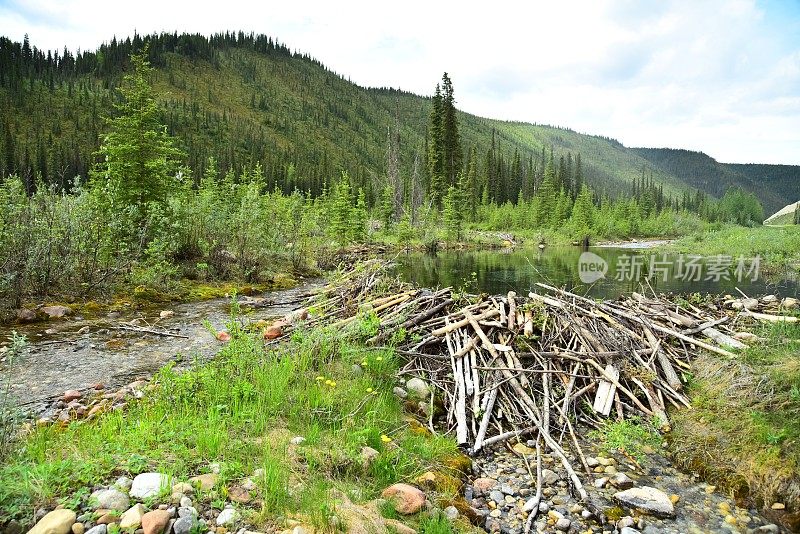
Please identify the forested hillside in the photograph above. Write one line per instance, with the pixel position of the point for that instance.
(772, 184)
(247, 99)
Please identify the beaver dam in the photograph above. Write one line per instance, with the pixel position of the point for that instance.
(533, 367)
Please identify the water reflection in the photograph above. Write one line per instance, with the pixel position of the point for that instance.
(500, 271)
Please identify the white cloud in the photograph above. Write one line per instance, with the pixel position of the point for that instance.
(719, 76)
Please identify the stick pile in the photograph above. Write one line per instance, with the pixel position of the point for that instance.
(509, 366)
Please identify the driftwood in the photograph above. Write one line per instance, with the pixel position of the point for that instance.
(509, 367)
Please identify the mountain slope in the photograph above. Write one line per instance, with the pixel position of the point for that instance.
(772, 184)
(246, 99)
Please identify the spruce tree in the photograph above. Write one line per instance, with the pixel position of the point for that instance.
(451, 141)
(138, 160)
(436, 149)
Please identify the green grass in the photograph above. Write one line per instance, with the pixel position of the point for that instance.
(778, 246)
(631, 436)
(743, 431)
(241, 410)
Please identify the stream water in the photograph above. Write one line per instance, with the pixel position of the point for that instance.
(627, 269)
(76, 353)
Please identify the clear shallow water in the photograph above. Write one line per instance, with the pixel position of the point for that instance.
(500, 271)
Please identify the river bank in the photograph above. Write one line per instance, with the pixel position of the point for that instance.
(197, 419)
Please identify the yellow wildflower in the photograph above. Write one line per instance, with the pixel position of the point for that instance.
(379, 359)
(320, 378)
(328, 382)
(385, 438)
(369, 390)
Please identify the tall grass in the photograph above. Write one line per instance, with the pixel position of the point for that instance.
(241, 410)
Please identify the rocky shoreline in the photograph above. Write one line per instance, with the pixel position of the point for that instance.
(651, 498)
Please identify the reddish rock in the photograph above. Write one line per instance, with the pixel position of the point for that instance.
(155, 522)
(273, 332)
(483, 484)
(405, 498)
(223, 336)
(238, 494)
(77, 408)
(71, 395)
(98, 386)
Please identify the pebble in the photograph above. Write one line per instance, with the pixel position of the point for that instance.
(451, 512)
(183, 487)
(298, 440)
(185, 502)
(132, 518)
(549, 477)
(78, 528)
(110, 499)
(563, 524)
(497, 496)
(227, 517)
(99, 529)
(400, 392)
(621, 481)
(183, 525)
(205, 482)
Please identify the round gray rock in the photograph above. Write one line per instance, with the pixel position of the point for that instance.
(110, 499)
(418, 389)
(648, 500)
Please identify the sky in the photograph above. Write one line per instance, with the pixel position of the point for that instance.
(722, 77)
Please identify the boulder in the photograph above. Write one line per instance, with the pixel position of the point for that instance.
(647, 500)
(56, 312)
(26, 316)
(405, 498)
(56, 522)
(149, 485)
(110, 499)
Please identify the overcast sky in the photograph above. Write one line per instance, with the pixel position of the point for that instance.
(712, 75)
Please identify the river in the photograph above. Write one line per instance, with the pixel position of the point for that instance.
(626, 270)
